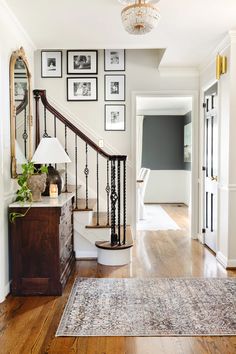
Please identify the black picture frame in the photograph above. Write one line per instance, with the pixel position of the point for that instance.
(114, 87)
(87, 89)
(115, 117)
(82, 62)
(51, 63)
(114, 59)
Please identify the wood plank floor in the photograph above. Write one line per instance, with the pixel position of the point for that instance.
(28, 324)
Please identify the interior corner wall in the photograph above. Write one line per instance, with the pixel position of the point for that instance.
(12, 37)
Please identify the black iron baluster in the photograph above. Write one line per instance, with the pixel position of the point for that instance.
(76, 173)
(86, 172)
(113, 203)
(25, 135)
(66, 177)
(55, 133)
(118, 190)
(124, 202)
(108, 194)
(45, 134)
(97, 191)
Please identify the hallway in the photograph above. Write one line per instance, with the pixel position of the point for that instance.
(28, 324)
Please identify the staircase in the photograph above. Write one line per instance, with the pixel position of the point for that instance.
(100, 229)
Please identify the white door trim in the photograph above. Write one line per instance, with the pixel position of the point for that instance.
(196, 181)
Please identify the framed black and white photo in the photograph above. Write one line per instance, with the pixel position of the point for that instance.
(114, 87)
(20, 87)
(82, 89)
(114, 60)
(115, 117)
(82, 62)
(51, 63)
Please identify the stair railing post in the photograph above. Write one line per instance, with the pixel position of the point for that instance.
(108, 189)
(119, 196)
(113, 202)
(124, 201)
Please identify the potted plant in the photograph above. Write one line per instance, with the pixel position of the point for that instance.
(31, 183)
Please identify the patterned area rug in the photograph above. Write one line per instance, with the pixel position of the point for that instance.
(150, 307)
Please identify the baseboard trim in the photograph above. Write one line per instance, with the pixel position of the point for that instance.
(201, 238)
(227, 263)
(86, 255)
(6, 292)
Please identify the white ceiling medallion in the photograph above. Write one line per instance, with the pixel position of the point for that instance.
(139, 16)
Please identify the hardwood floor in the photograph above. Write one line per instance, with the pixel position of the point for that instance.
(28, 324)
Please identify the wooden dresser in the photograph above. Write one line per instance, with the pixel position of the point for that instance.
(41, 246)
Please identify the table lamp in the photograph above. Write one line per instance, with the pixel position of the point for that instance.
(51, 151)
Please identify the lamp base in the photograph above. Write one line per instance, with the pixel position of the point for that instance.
(53, 177)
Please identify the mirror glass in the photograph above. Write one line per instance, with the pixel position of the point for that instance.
(20, 111)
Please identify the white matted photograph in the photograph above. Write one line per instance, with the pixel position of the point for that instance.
(82, 62)
(115, 117)
(51, 63)
(20, 87)
(114, 60)
(114, 87)
(82, 89)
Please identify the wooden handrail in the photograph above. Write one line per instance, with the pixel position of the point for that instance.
(42, 94)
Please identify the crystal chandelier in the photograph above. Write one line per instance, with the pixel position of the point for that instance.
(139, 17)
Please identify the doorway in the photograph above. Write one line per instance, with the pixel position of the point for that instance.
(191, 96)
(164, 160)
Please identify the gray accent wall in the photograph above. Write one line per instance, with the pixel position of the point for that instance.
(163, 142)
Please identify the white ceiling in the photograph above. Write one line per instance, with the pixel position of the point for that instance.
(189, 29)
(163, 105)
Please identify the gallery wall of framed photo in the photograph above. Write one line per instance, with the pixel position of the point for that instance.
(82, 80)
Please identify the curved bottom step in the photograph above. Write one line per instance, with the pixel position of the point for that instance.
(113, 256)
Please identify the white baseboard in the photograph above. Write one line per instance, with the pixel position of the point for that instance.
(86, 255)
(6, 292)
(227, 263)
(201, 238)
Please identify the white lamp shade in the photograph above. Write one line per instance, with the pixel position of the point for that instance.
(50, 151)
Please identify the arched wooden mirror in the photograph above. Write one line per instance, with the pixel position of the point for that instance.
(21, 114)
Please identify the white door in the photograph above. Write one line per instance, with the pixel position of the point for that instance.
(211, 169)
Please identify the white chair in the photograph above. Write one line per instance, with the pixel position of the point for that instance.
(141, 185)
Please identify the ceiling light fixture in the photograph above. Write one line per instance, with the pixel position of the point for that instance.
(139, 17)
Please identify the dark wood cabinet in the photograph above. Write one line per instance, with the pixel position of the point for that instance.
(41, 246)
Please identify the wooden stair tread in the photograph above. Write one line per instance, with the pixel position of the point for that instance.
(81, 203)
(107, 245)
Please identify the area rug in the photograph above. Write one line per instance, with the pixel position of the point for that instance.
(150, 307)
(156, 219)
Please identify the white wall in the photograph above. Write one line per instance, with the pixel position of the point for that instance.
(168, 187)
(142, 74)
(12, 37)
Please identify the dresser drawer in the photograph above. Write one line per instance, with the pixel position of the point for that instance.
(66, 254)
(66, 211)
(65, 231)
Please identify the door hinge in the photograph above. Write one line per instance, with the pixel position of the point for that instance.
(203, 168)
(204, 105)
(203, 231)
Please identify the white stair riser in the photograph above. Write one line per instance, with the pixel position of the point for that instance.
(83, 248)
(83, 217)
(92, 235)
(113, 257)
